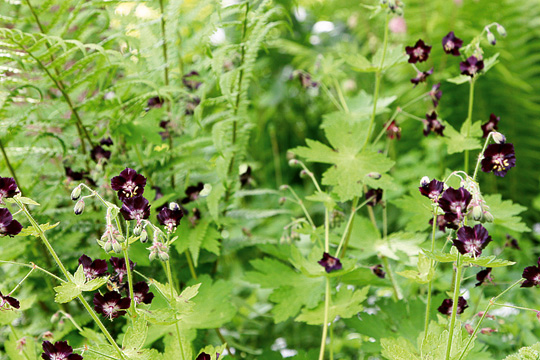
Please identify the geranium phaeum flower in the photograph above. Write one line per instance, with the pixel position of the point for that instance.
(6, 299)
(98, 153)
(421, 76)
(435, 94)
(499, 158)
(8, 188)
(129, 184)
(330, 263)
(119, 265)
(245, 177)
(419, 52)
(170, 218)
(451, 44)
(452, 221)
(192, 193)
(306, 80)
(59, 351)
(106, 141)
(374, 196)
(471, 66)
(378, 271)
(141, 294)
(155, 102)
(74, 175)
(191, 104)
(135, 209)
(455, 201)
(447, 304)
(393, 131)
(482, 276)
(8, 225)
(432, 190)
(190, 80)
(203, 356)
(490, 125)
(531, 275)
(441, 222)
(512, 242)
(472, 240)
(111, 305)
(431, 123)
(93, 269)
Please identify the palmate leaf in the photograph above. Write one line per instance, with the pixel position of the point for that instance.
(425, 271)
(349, 165)
(506, 213)
(76, 285)
(484, 261)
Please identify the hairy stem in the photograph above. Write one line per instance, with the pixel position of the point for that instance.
(469, 120)
(454, 306)
(173, 302)
(430, 284)
(325, 324)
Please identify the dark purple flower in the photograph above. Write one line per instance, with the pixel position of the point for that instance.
(419, 52)
(191, 104)
(8, 225)
(472, 240)
(431, 123)
(135, 209)
(452, 221)
(432, 190)
(421, 76)
(441, 222)
(8, 188)
(490, 125)
(106, 141)
(59, 351)
(170, 218)
(192, 193)
(435, 94)
(141, 294)
(119, 265)
(74, 175)
(195, 217)
(190, 80)
(393, 131)
(446, 306)
(245, 177)
(531, 274)
(111, 305)
(374, 196)
(499, 158)
(306, 80)
(129, 184)
(93, 269)
(378, 271)
(330, 263)
(98, 153)
(451, 44)
(155, 102)
(455, 201)
(482, 276)
(512, 242)
(6, 299)
(471, 66)
(203, 356)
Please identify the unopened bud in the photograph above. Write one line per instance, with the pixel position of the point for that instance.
(55, 317)
(424, 181)
(174, 206)
(374, 175)
(163, 256)
(282, 200)
(137, 231)
(498, 137)
(283, 187)
(469, 328)
(538, 315)
(501, 30)
(303, 173)
(477, 213)
(488, 217)
(117, 248)
(76, 193)
(491, 38)
(293, 162)
(79, 207)
(144, 236)
(152, 256)
(108, 246)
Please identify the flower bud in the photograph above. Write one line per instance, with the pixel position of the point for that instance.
(108, 246)
(152, 256)
(303, 174)
(477, 213)
(55, 317)
(79, 207)
(137, 231)
(488, 216)
(76, 193)
(424, 181)
(491, 38)
(293, 162)
(282, 200)
(144, 236)
(501, 30)
(498, 137)
(374, 175)
(117, 248)
(163, 256)
(174, 206)
(283, 187)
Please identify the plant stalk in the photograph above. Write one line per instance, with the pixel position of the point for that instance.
(325, 324)
(469, 120)
(454, 306)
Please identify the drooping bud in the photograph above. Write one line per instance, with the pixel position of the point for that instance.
(488, 216)
(282, 200)
(303, 173)
(137, 231)
(117, 248)
(174, 206)
(501, 30)
(477, 213)
(374, 175)
(108, 247)
(76, 193)
(498, 137)
(152, 256)
(293, 162)
(283, 187)
(144, 236)
(55, 317)
(79, 207)
(491, 38)
(163, 256)
(424, 181)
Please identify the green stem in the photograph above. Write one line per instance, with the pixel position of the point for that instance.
(454, 306)
(515, 307)
(325, 324)
(326, 230)
(190, 264)
(34, 266)
(395, 287)
(469, 120)
(130, 279)
(68, 276)
(20, 282)
(481, 156)
(172, 302)
(348, 228)
(8, 164)
(340, 96)
(378, 75)
(430, 284)
(301, 203)
(491, 303)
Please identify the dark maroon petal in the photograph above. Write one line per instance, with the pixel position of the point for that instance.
(12, 301)
(74, 357)
(471, 66)
(499, 158)
(192, 193)
(452, 44)
(330, 263)
(106, 141)
(8, 188)
(490, 125)
(374, 196)
(482, 276)
(99, 153)
(245, 177)
(418, 53)
(48, 349)
(433, 189)
(124, 303)
(85, 261)
(13, 228)
(203, 356)
(393, 131)
(135, 208)
(532, 276)
(378, 271)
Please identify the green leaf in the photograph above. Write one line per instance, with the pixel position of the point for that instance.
(490, 62)
(358, 62)
(416, 211)
(94, 284)
(460, 79)
(459, 142)
(212, 201)
(345, 304)
(505, 213)
(67, 292)
(487, 261)
(22, 199)
(213, 351)
(321, 196)
(135, 335)
(425, 271)
(398, 349)
(440, 256)
(400, 242)
(30, 230)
